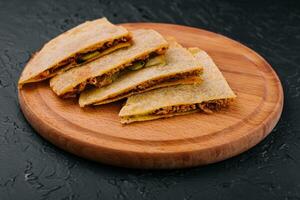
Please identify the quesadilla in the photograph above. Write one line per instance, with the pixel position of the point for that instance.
(78, 45)
(212, 94)
(147, 44)
(180, 68)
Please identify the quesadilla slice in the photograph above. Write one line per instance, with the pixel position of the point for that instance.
(180, 68)
(147, 44)
(78, 45)
(211, 95)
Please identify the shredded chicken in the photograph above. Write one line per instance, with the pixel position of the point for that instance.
(151, 83)
(102, 48)
(172, 78)
(207, 107)
(214, 105)
(72, 61)
(104, 79)
(175, 109)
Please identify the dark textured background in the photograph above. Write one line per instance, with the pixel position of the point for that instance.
(31, 168)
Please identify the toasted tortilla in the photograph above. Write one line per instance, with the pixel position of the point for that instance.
(100, 72)
(75, 47)
(181, 68)
(212, 94)
(193, 80)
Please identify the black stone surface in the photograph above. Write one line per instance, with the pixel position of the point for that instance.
(31, 168)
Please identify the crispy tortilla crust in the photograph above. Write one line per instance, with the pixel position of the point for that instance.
(86, 37)
(106, 79)
(75, 60)
(186, 81)
(150, 84)
(207, 107)
(213, 94)
(178, 60)
(145, 42)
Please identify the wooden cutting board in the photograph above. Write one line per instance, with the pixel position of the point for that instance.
(184, 141)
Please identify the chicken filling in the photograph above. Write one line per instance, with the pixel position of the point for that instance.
(207, 107)
(151, 83)
(112, 75)
(81, 58)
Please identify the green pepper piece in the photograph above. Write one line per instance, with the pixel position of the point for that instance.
(89, 56)
(137, 65)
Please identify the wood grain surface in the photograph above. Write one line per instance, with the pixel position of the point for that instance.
(184, 141)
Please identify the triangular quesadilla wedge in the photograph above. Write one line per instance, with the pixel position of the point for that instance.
(180, 68)
(147, 43)
(211, 95)
(78, 45)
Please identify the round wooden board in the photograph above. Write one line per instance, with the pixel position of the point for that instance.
(183, 141)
